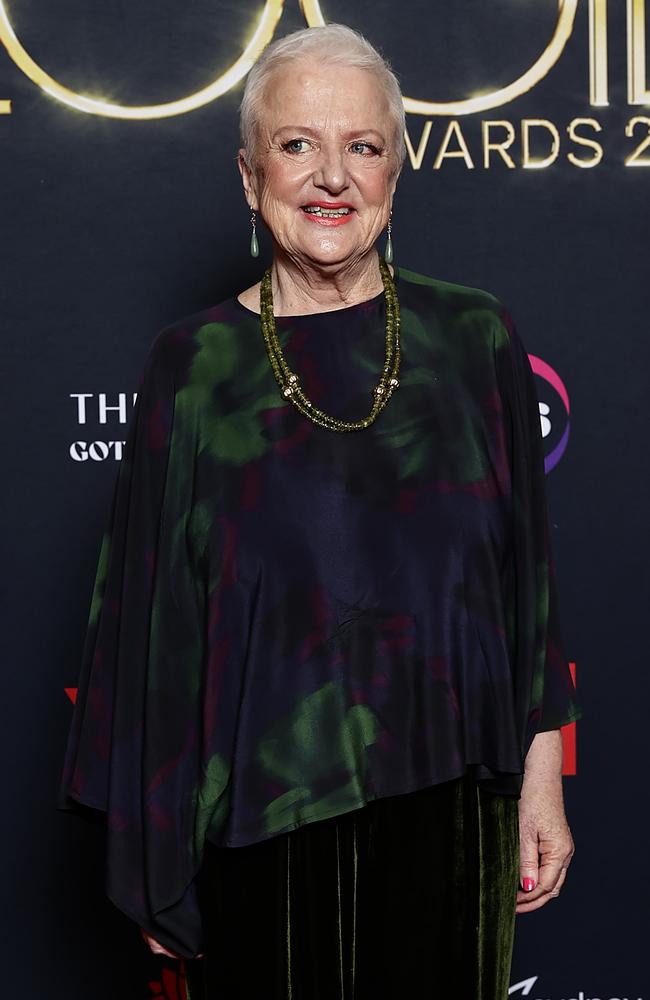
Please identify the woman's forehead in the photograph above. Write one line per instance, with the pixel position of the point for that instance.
(304, 92)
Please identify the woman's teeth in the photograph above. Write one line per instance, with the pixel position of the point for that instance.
(325, 212)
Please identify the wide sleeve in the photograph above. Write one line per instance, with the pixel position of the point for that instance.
(545, 696)
(134, 748)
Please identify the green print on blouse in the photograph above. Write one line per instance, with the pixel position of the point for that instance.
(237, 436)
(212, 800)
(292, 752)
(419, 442)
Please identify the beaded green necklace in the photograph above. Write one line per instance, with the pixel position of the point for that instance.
(289, 382)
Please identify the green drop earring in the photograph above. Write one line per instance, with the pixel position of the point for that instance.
(388, 253)
(255, 249)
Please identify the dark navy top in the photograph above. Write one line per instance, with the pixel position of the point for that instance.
(289, 621)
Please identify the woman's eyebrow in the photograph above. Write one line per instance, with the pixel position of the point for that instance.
(303, 129)
(363, 131)
(348, 133)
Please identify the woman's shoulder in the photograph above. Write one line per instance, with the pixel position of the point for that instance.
(426, 290)
(214, 327)
(452, 315)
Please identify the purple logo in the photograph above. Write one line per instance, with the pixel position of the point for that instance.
(554, 432)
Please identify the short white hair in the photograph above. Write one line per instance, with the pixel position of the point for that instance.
(331, 44)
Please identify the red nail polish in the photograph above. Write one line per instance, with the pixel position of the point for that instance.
(528, 884)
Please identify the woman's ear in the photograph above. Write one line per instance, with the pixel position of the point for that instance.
(248, 180)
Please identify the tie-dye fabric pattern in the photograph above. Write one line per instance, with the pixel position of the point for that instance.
(288, 622)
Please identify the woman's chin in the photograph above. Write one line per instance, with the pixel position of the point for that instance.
(330, 248)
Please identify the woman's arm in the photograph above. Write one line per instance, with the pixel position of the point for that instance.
(546, 844)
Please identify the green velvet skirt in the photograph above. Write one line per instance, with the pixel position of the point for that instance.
(409, 897)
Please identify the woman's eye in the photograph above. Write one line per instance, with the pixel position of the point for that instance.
(295, 146)
(364, 148)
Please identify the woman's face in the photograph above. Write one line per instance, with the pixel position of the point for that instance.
(325, 166)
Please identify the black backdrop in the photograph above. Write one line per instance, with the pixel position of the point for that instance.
(113, 228)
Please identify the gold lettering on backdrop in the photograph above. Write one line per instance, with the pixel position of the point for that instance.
(493, 99)
(598, 76)
(453, 130)
(635, 159)
(582, 140)
(527, 160)
(5, 107)
(260, 38)
(499, 147)
(637, 93)
(581, 132)
(416, 158)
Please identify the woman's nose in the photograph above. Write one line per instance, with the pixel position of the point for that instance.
(331, 172)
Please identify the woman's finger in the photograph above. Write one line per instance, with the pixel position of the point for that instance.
(555, 891)
(528, 863)
(549, 872)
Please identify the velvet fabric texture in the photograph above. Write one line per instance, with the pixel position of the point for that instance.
(411, 896)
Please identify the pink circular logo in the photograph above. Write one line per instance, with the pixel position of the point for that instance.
(558, 440)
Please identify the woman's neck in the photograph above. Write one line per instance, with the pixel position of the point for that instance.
(299, 289)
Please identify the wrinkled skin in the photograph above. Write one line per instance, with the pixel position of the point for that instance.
(325, 136)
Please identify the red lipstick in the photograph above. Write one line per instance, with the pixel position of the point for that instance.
(324, 212)
(330, 204)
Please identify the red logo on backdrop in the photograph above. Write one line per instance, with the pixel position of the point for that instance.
(570, 765)
(172, 984)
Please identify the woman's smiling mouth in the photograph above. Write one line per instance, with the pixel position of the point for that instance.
(328, 213)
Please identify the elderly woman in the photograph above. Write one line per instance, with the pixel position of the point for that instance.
(323, 682)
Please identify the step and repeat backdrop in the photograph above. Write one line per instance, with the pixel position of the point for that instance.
(528, 174)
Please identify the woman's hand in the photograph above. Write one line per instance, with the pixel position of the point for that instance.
(546, 844)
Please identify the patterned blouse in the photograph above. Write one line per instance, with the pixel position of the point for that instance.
(289, 621)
